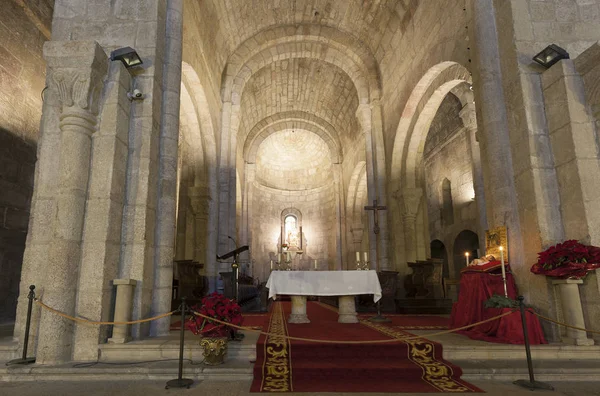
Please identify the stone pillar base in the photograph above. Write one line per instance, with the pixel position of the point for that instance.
(123, 310)
(572, 311)
(347, 310)
(298, 314)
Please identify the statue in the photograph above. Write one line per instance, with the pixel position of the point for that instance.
(482, 261)
(293, 240)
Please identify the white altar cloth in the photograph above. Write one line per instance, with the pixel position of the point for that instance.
(324, 283)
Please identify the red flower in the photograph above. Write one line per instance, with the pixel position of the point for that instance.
(219, 307)
(569, 259)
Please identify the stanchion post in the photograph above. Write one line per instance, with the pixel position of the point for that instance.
(181, 382)
(532, 384)
(24, 359)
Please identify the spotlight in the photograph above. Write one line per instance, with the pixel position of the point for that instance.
(550, 55)
(127, 55)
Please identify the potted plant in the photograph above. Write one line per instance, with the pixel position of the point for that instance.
(214, 334)
(567, 260)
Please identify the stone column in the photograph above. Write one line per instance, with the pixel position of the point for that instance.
(298, 314)
(339, 210)
(409, 201)
(568, 290)
(468, 116)
(168, 152)
(104, 215)
(199, 200)
(76, 73)
(347, 310)
(123, 309)
(375, 189)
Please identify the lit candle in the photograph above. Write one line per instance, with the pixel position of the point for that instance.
(366, 255)
(357, 257)
(467, 258)
(502, 262)
(315, 263)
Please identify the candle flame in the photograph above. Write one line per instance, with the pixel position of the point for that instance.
(501, 248)
(467, 254)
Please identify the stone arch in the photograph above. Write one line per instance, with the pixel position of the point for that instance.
(439, 251)
(195, 109)
(465, 241)
(287, 120)
(302, 41)
(416, 118)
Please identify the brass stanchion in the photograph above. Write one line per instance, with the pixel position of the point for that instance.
(24, 359)
(532, 384)
(181, 382)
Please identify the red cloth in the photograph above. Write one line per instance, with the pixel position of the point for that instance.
(477, 286)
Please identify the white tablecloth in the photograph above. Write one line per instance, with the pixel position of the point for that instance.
(324, 283)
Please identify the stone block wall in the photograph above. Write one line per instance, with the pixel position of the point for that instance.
(24, 27)
(447, 156)
(317, 207)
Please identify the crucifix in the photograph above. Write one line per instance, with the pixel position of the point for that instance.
(376, 208)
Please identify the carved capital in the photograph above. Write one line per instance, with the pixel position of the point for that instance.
(363, 114)
(467, 114)
(199, 200)
(410, 201)
(77, 70)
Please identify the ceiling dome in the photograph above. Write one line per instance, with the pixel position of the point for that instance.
(293, 160)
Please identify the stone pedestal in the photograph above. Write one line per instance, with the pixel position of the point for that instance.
(123, 309)
(347, 310)
(298, 314)
(572, 311)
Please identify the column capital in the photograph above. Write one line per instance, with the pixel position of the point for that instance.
(467, 114)
(76, 75)
(409, 200)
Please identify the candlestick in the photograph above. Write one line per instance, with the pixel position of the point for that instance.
(366, 255)
(357, 257)
(279, 257)
(503, 271)
(467, 258)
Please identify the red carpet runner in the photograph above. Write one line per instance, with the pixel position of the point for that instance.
(283, 365)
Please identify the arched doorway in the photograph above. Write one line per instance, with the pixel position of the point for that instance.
(466, 242)
(438, 251)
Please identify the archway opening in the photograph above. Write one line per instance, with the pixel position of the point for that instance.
(466, 242)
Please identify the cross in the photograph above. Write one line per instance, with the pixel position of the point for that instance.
(376, 209)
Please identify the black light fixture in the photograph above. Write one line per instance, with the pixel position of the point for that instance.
(127, 55)
(550, 55)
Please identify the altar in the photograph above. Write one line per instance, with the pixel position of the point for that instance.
(345, 284)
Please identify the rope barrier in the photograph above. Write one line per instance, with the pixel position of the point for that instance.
(353, 342)
(82, 320)
(565, 325)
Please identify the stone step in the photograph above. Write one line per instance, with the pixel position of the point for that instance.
(544, 370)
(8, 349)
(494, 352)
(168, 348)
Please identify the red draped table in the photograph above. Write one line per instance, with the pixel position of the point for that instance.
(479, 283)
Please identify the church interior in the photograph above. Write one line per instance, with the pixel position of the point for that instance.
(444, 147)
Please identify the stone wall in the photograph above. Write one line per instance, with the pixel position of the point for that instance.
(317, 207)
(24, 27)
(447, 157)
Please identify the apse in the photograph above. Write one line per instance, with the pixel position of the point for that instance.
(293, 160)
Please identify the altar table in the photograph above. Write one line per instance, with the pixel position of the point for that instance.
(345, 284)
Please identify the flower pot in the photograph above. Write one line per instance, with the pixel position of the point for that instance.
(214, 350)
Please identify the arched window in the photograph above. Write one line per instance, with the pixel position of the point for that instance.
(292, 237)
(291, 229)
(447, 207)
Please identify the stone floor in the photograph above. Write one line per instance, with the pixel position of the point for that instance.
(238, 388)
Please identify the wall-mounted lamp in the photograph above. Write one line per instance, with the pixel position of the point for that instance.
(550, 55)
(127, 55)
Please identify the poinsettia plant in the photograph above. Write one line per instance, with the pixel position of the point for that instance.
(219, 307)
(569, 259)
